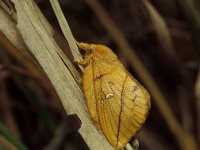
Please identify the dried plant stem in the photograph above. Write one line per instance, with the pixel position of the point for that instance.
(66, 31)
(186, 140)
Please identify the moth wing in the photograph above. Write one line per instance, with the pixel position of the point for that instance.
(122, 105)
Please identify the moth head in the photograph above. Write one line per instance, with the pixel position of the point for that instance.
(88, 48)
(94, 49)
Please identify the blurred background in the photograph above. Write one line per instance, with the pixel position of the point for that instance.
(164, 34)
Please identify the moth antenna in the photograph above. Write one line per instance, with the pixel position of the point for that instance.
(83, 46)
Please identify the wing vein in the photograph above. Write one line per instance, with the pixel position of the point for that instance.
(121, 109)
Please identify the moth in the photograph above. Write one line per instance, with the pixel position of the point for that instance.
(116, 101)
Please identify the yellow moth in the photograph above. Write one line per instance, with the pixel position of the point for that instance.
(116, 101)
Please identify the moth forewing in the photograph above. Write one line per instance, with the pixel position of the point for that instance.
(116, 101)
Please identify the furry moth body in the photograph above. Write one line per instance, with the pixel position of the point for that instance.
(117, 103)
